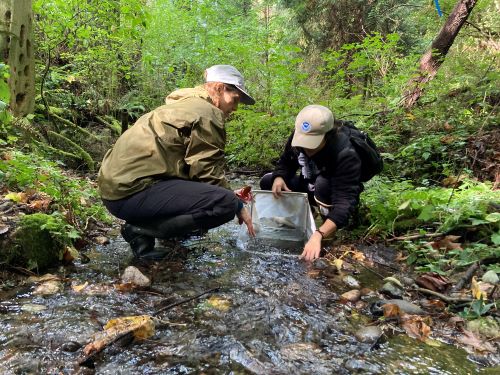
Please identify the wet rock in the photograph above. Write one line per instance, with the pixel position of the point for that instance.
(33, 307)
(391, 290)
(134, 276)
(321, 264)
(369, 334)
(361, 366)
(490, 277)
(367, 292)
(102, 240)
(351, 282)
(405, 306)
(70, 346)
(407, 281)
(485, 326)
(351, 296)
(48, 288)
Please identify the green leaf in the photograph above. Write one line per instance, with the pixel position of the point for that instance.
(494, 217)
(495, 238)
(404, 205)
(427, 213)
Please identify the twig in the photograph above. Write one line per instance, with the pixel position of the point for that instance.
(371, 270)
(415, 237)
(441, 296)
(466, 277)
(168, 307)
(87, 360)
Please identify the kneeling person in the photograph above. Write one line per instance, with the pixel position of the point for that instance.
(330, 171)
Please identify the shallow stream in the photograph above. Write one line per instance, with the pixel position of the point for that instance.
(280, 317)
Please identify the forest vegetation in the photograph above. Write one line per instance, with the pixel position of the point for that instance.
(98, 65)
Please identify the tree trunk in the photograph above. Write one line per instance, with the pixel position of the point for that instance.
(434, 57)
(16, 50)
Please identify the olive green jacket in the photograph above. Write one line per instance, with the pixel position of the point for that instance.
(184, 138)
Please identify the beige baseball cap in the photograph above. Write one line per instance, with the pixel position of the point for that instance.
(311, 125)
(230, 75)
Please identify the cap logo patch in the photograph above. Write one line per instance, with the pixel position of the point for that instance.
(306, 127)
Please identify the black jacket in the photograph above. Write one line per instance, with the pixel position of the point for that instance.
(339, 162)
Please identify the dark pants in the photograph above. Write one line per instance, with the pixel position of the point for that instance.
(321, 188)
(173, 208)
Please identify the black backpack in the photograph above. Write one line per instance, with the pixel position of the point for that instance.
(371, 160)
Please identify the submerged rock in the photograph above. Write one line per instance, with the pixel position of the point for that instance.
(369, 334)
(134, 276)
(351, 296)
(351, 282)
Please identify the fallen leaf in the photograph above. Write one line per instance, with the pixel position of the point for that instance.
(477, 289)
(433, 281)
(417, 327)
(141, 326)
(219, 303)
(358, 255)
(39, 205)
(17, 197)
(474, 343)
(447, 243)
(338, 263)
(79, 288)
(391, 310)
(70, 254)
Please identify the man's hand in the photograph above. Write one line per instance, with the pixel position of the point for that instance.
(312, 249)
(245, 217)
(279, 185)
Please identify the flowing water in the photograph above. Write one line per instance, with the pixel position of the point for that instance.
(280, 318)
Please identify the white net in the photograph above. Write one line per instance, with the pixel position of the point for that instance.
(284, 222)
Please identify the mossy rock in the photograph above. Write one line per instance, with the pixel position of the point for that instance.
(33, 245)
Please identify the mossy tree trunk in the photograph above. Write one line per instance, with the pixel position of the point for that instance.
(16, 50)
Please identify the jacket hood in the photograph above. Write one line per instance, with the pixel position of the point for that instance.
(181, 94)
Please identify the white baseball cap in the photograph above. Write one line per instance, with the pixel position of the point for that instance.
(230, 75)
(311, 125)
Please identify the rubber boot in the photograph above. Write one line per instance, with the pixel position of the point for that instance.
(143, 246)
(172, 227)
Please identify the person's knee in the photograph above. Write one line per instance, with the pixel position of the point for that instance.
(266, 182)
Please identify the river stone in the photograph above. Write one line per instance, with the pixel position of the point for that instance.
(391, 290)
(351, 296)
(351, 282)
(368, 334)
(361, 366)
(490, 277)
(134, 276)
(405, 306)
(321, 264)
(485, 326)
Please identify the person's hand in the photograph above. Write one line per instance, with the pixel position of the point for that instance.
(245, 217)
(279, 185)
(244, 194)
(312, 249)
